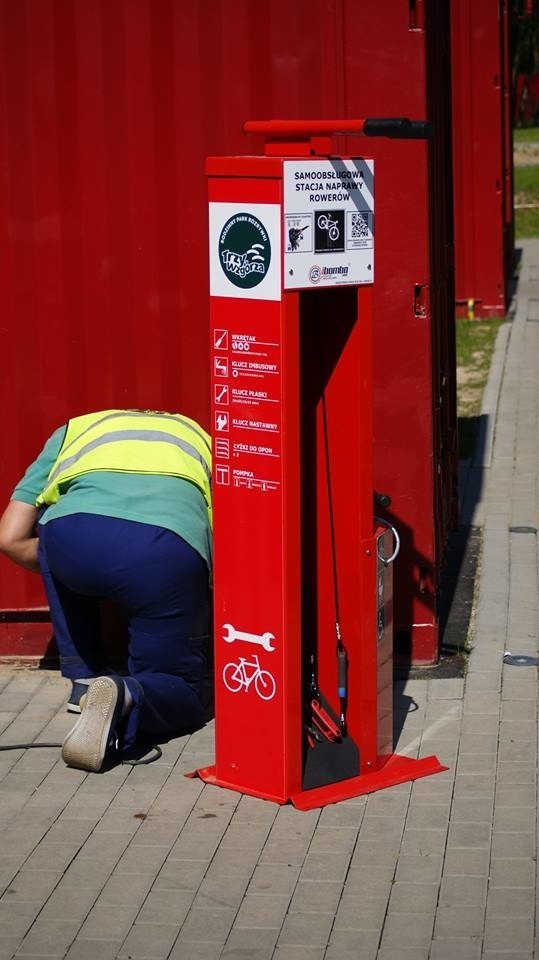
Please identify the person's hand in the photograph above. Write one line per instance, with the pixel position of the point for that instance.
(17, 534)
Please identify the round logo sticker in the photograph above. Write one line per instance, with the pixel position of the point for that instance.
(244, 250)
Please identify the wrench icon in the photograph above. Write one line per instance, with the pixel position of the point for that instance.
(262, 639)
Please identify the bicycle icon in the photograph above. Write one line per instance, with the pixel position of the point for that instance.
(240, 676)
(326, 223)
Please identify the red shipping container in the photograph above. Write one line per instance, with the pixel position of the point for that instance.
(482, 155)
(415, 454)
(107, 113)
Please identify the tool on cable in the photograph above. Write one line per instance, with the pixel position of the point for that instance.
(342, 656)
(331, 752)
(322, 726)
(324, 723)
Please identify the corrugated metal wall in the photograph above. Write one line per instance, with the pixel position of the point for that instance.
(483, 160)
(108, 109)
(415, 456)
(107, 112)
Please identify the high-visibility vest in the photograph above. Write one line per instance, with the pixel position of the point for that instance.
(132, 441)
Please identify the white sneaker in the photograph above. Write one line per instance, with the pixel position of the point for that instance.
(87, 743)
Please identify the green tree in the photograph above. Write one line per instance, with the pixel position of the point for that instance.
(525, 51)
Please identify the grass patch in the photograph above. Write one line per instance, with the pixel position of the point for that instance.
(527, 191)
(526, 135)
(526, 223)
(475, 345)
(527, 184)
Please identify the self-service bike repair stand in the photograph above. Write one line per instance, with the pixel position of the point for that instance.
(302, 568)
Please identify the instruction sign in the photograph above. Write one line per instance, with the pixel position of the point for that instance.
(328, 222)
(246, 359)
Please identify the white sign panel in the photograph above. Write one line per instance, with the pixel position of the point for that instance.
(245, 250)
(328, 222)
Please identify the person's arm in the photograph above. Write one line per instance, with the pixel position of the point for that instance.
(17, 534)
(18, 538)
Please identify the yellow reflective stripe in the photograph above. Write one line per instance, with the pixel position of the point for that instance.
(123, 414)
(159, 436)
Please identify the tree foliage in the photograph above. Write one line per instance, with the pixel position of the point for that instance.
(525, 37)
(525, 60)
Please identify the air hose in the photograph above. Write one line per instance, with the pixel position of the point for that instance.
(129, 763)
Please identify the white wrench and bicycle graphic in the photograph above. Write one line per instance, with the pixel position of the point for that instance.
(245, 673)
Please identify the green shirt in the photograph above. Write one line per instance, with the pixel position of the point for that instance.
(169, 502)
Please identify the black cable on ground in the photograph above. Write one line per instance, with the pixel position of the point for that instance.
(27, 746)
(130, 763)
(145, 760)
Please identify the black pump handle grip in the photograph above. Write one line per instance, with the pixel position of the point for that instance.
(400, 128)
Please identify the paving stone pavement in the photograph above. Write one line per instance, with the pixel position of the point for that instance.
(144, 864)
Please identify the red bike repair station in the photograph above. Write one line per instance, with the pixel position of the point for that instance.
(303, 568)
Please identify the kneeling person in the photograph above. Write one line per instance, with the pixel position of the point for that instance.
(122, 503)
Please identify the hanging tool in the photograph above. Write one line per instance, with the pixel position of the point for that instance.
(321, 725)
(342, 656)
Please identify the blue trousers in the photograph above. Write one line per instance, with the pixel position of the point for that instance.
(161, 585)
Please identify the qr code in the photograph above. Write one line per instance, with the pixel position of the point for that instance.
(360, 225)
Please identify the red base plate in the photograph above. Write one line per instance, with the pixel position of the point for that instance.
(393, 769)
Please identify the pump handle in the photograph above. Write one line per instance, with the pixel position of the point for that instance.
(395, 127)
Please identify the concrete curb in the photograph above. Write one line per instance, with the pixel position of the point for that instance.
(491, 396)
